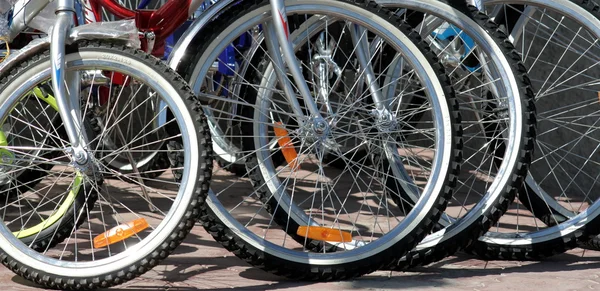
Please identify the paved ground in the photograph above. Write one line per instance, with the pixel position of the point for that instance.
(202, 264)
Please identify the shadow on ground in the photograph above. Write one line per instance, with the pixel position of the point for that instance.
(200, 263)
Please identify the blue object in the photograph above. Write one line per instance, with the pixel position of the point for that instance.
(79, 12)
(143, 4)
(173, 38)
(10, 17)
(452, 32)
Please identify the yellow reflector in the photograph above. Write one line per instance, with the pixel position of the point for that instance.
(324, 234)
(287, 148)
(120, 233)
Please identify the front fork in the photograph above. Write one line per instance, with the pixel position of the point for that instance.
(277, 37)
(67, 86)
(278, 43)
(386, 122)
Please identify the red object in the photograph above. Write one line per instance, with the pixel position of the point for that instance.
(104, 94)
(119, 79)
(285, 24)
(163, 22)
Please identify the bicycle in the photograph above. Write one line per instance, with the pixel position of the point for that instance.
(148, 167)
(89, 231)
(466, 220)
(275, 221)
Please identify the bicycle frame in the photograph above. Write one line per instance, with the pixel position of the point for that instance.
(68, 105)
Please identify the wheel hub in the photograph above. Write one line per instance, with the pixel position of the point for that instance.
(84, 162)
(386, 121)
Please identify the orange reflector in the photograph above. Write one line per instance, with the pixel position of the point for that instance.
(120, 233)
(324, 234)
(287, 148)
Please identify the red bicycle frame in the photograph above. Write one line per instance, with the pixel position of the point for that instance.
(162, 22)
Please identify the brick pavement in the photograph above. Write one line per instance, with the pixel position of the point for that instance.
(202, 264)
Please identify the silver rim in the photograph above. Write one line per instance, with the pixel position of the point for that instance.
(143, 243)
(439, 165)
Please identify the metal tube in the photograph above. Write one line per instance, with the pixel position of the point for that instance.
(68, 114)
(57, 52)
(194, 5)
(278, 66)
(527, 15)
(65, 5)
(73, 80)
(359, 38)
(280, 22)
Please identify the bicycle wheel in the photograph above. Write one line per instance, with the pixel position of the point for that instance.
(131, 227)
(498, 117)
(557, 41)
(363, 239)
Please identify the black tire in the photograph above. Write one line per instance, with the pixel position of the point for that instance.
(535, 203)
(590, 244)
(103, 277)
(277, 265)
(236, 169)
